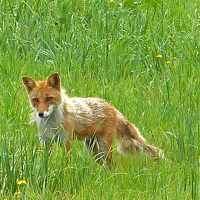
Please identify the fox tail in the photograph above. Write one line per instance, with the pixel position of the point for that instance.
(131, 141)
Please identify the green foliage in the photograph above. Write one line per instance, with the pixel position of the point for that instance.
(141, 56)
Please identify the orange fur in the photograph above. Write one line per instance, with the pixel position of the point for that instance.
(61, 118)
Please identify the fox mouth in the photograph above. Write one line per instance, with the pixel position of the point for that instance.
(45, 114)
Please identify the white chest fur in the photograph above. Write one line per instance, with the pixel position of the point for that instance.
(51, 127)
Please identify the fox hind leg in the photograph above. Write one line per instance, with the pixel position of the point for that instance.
(100, 148)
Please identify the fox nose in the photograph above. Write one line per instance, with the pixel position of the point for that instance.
(41, 114)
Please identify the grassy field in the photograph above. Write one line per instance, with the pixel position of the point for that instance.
(141, 57)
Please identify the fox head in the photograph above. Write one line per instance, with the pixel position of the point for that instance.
(44, 95)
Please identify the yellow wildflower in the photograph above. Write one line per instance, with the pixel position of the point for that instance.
(111, 1)
(168, 62)
(17, 194)
(159, 56)
(21, 182)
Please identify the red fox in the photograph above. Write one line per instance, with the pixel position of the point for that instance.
(61, 118)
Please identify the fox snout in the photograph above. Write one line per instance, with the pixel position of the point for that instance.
(47, 113)
(41, 114)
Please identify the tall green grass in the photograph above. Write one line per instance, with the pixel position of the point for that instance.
(141, 57)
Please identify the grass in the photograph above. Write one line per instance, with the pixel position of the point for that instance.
(141, 57)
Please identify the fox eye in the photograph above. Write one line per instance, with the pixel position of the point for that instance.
(35, 100)
(49, 98)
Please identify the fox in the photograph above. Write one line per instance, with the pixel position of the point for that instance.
(62, 119)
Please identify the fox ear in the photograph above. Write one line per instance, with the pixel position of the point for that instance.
(54, 81)
(29, 83)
